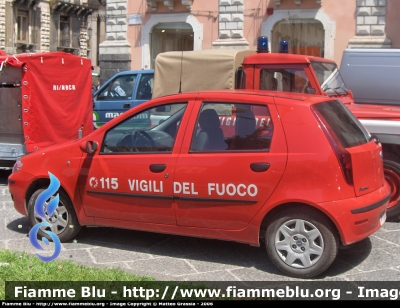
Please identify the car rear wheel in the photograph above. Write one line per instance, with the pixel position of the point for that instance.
(64, 222)
(392, 176)
(301, 242)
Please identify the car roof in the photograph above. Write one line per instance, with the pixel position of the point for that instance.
(290, 96)
(135, 72)
(281, 58)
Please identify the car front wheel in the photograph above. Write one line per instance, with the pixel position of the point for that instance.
(301, 242)
(63, 220)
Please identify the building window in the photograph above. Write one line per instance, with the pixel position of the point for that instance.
(69, 34)
(22, 26)
(305, 36)
(65, 31)
(174, 36)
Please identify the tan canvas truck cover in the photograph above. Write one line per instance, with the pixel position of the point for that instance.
(196, 70)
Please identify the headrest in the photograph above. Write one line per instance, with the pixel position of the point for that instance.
(245, 123)
(209, 119)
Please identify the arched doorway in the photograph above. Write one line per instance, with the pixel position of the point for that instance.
(319, 15)
(171, 36)
(305, 36)
(157, 19)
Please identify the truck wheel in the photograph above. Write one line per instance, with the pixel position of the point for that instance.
(301, 242)
(64, 222)
(392, 177)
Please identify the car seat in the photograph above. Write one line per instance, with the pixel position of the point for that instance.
(211, 136)
(145, 92)
(245, 128)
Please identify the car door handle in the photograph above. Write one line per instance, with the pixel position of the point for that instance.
(157, 168)
(259, 167)
(127, 105)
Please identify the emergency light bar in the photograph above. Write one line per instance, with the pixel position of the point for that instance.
(262, 44)
(283, 47)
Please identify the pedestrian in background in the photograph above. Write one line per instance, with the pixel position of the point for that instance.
(95, 87)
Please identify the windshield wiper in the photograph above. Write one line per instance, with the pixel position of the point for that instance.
(343, 89)
(336, 92)
(332, 89)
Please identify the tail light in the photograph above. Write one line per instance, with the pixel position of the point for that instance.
(342, 155)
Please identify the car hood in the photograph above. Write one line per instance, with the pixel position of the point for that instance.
(51, 148)
(375, 111)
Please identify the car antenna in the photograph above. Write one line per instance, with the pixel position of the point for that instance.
(180, 77)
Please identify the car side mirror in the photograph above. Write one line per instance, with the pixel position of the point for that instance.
(375, 138)
(88, 146)
(350, 93)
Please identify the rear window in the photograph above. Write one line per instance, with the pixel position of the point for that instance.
(342, 123)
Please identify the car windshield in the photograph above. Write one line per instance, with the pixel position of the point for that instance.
(329, 78)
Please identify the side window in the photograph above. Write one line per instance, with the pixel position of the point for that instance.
(240, 78)
(22, 26)
(284, 80)
(120, 88)
(232, 127)
(145, 89)
(152, 130)
(129, 85)
(65, 33)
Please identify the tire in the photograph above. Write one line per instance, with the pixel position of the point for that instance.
(64, 221)
(301, 242)
(392, 176)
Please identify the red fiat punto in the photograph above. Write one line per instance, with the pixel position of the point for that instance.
(296, 171)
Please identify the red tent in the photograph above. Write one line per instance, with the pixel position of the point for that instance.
(55, 95)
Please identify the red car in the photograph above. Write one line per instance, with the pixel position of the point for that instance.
(296, 171)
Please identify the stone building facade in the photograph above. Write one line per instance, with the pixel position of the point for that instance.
(316, 27)
(115, 50)
(370, 25)
(54, 25)
(124, 34)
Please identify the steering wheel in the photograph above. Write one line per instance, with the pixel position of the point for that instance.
(114, 93)
(135, 140)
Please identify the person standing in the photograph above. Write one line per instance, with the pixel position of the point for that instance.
(95, 87)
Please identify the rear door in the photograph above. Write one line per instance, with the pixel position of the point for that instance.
(11, 133)
(359, 154)
(222, 185)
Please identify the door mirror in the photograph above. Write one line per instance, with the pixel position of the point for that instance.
(350, 93)
(88, 146)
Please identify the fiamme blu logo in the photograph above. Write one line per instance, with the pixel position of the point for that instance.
(45, 209)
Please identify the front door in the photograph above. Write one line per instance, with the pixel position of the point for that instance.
(120, 94)
(131, 178)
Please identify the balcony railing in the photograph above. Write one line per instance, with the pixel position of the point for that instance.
(80, 7)
(27, 4)
(169, 3)
(65, 42)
